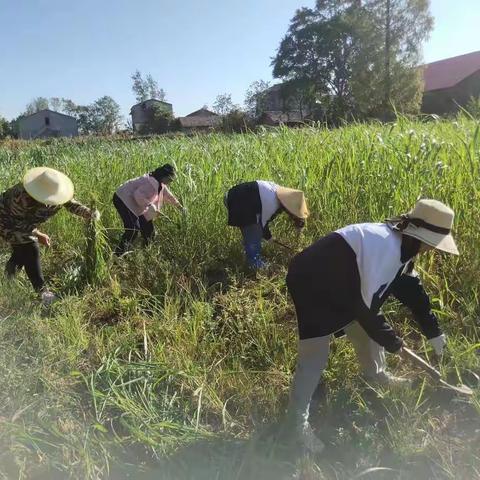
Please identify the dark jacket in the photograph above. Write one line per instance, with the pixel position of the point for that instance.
(244, 207)
(324, 283)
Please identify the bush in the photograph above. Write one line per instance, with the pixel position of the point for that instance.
(473, 107)
(5, 128)
(158, 121)
(237, 121)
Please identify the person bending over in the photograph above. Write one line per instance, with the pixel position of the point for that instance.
(339, 284)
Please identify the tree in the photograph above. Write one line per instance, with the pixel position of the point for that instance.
(223, 104)
(237, 121)
(5, 128)
(146, 88)
(318, 52)
(56, 104)
(394, 31)
(101, 117)
(255, 97)
(68, 106)
(106, 116)
(35, 105)
(356, 58)
(158, 121)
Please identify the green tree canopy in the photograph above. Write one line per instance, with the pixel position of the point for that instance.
(356, 58)
(255, 97)
(146, 88)
(5, 128)
(36, 105)
(224, 105)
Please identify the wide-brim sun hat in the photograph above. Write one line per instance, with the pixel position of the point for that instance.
(294, 201)
(431, 222)
(48, 186)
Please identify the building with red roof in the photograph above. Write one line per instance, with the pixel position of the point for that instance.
(450, 83)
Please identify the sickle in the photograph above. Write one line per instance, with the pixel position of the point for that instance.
(436, 375)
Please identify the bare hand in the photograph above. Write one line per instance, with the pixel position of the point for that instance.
(43, 239)
(95, 215)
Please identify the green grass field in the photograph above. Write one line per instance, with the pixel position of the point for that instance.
(175, 363)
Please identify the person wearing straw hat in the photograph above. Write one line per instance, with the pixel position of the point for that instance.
(139, 201)
(43, 193)
(339, 284)
(253, 205)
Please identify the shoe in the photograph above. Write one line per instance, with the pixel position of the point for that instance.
(48, 297)
(295, 431)
(308, 439)
(386, 379)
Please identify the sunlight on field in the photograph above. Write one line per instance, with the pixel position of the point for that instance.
(176, 363)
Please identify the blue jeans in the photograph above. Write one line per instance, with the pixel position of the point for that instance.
(252, 243)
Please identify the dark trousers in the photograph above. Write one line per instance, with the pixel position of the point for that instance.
(26, 255)
(133, 225)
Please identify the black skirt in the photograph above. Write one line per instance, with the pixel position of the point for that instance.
(243, 204)
(324, 284)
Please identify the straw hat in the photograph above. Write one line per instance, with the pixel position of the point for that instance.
(293, 201)
(431, 222)
(48, 186)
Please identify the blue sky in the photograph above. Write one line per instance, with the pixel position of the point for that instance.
(195, 49)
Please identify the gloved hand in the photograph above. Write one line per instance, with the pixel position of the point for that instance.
(438, 343)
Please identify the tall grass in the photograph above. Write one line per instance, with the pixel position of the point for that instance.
(174, 363)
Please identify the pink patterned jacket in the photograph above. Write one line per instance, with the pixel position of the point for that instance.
(141, 193)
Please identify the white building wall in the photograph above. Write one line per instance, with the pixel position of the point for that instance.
(47, 123)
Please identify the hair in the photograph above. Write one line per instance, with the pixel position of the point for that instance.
(410, 246)
(163, 172)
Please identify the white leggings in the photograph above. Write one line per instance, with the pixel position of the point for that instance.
(312, 360)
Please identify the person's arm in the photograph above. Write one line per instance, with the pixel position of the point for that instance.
(43, 238)
(80, 210)
(409, 291)
(168, 197)
(377, 328)
(267, 234)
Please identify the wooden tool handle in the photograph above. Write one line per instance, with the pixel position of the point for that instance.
(283, 245)
(422, 363)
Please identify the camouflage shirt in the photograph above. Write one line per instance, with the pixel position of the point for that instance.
(20, 214)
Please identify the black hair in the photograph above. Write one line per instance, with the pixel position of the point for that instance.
(163, 172)
(410, 247)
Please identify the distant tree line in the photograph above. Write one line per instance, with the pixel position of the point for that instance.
(340, 60)
(102, 117)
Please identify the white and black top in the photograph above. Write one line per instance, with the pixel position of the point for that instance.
(378, 255)
(251, 203)
(348, 275)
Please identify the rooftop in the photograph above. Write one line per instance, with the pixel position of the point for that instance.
(450, 71)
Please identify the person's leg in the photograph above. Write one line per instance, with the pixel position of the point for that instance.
(252, 243)
(29, 254)
(147, 229)
(371, 357)
(370, 354)
(311, 361)
(130, 224)
(14, 263)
